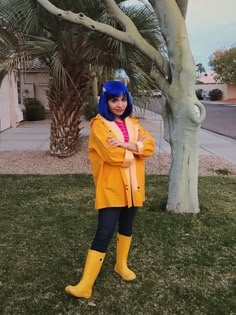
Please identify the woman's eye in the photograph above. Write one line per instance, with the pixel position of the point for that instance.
(124, 99)
(113, 100)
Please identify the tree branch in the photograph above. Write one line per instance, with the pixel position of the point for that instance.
(173, 28)
(82, 19)
(130, 36)
(183, 5)
(140, 43)
(182, 66)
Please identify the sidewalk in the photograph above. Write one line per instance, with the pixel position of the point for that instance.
(36, 138)
(230, 102)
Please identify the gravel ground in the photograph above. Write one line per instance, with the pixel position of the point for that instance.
(41, 162)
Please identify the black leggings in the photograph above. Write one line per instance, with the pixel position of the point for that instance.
(108, 218)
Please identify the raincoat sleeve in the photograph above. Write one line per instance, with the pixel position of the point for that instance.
(109, 154)
(146, 147)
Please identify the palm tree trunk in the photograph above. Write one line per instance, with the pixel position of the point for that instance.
(95, 89)
(65, 132)
(66, 109)
(67, 97)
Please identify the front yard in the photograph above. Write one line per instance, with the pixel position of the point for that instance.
(185, 264)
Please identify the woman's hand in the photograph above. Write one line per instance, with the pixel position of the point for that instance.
(114, 142)
(141, 138)
(125, 145)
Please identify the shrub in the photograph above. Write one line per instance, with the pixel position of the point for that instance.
(199, 94)
(215, 95)
(223, 171)
(90, 109)
(34, 110)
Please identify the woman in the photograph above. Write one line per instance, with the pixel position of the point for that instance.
(118, 146)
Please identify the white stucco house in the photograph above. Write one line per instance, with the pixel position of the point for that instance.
(10, 109)
(32, 82)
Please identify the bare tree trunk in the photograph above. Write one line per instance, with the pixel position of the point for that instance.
(183, 177)
(181, 130)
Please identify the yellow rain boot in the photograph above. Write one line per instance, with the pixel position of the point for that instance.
(92, 268)
(122, 251)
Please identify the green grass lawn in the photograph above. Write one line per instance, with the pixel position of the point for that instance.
(185, 264)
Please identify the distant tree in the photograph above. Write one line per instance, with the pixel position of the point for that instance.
(200, 69)
(223, 62)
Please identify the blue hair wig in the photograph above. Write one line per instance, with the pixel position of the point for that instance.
(112, 89)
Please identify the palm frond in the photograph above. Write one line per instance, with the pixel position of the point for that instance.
(2, 76)
(21, 14)
(39, 34)
(39, 46)
(11, 52)
(145, 21)
(57, 69)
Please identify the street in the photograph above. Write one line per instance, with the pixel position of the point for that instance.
(220, 118)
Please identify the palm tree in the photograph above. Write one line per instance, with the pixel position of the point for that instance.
(73, 54)
(200, 69)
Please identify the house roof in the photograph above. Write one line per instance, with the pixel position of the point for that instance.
(35, 65)
(208, 78)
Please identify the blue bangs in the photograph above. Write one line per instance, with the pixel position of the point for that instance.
(110, 90)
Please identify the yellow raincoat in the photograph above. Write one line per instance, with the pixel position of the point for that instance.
(118, 173)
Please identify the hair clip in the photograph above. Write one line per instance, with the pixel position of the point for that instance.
(104, 90)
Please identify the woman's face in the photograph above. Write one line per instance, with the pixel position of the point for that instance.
(117, 105)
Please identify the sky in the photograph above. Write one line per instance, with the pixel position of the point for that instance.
(211, 25)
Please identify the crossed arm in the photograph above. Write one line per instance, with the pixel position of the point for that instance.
(125, 145)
